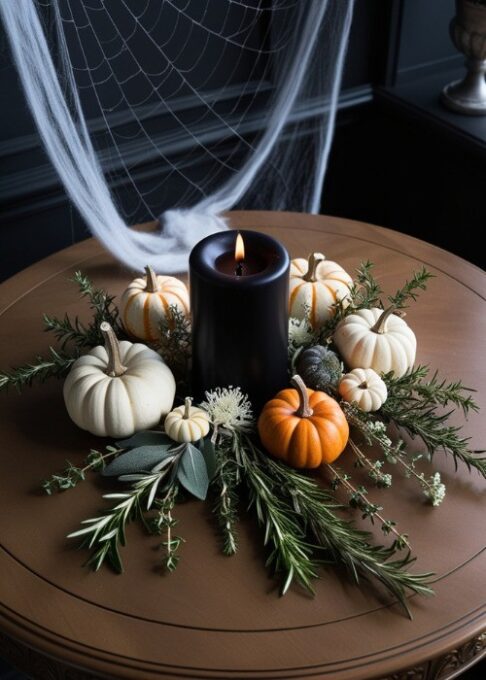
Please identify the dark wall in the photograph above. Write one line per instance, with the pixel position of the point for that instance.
(423, 43)
(397, 159)
(403, 161)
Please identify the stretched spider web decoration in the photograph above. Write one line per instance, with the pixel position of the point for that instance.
(98, 75)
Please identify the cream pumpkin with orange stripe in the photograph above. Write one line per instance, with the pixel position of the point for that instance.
(316, 284)
(146, 303)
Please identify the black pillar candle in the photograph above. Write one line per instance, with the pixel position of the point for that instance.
(239, 314)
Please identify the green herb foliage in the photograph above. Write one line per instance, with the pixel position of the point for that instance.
(73, 332)
(225, 485)
(164, 522)
(106, 533)
(72, 335)
(72, 474)
(156, 472)
(176, 344)
(416, 405)
(56, 365)
(302, 525)
(366, 292)
(410, 290)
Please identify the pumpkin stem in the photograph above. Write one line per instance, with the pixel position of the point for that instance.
(380, 325)
(314, 261)
(152, 283)
(364, 385)
(115, 367)
(187, 408)
(304, 410)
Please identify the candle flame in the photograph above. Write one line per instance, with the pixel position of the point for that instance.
(239, 248)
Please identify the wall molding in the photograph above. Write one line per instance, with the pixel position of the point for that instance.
(37, 187)
(148, 112)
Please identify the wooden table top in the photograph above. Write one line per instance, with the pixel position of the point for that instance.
(219, 617)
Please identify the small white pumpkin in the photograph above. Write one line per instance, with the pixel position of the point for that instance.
(378, 339)
(119, 389)
(363, 387)
(187, 423)
(146, 301)
(316, 284)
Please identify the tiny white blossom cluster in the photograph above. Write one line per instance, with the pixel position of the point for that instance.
(229, 408)
(378, 428)
(435, 490)
(384, 479)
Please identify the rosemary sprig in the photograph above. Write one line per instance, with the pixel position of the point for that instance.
(351, 548)
(72, 331)
(364, 293)
(165, 521)
(344, 543)
(374, 432)
(358, 499)
(416, 386)
(56, 365)
(314, 512)
(67, 331)
(416, 406)
(176, 343)
(101, 304)
(410, 290)
(106, 533)
(225, 486)
(291, 553)
(72, 474)
(381, 479)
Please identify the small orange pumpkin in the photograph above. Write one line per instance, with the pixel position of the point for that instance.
(303, 427)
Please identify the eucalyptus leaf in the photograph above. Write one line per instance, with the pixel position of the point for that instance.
(145, 438)
(207, 449)
(141, 459)
(192, 472)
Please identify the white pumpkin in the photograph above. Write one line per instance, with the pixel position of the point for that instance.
(316, 284)
(378, 339)
(187, 423)
(363, 387)
(146, 301)
(119, 389)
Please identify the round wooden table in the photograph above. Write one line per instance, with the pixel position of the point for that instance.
(219, 617)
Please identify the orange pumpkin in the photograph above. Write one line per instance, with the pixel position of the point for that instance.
(303, 427)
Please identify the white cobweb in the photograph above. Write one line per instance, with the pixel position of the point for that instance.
(264, 145)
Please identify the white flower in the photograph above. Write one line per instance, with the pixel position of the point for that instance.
(434, 489)
(229, 408)
(300, 332)
(377, 427)
(384, 480)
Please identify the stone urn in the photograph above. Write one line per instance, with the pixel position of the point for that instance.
(468, 33)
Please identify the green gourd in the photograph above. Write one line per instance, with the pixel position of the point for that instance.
(320, 368)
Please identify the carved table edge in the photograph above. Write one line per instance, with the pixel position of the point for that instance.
(42, 667)
(38, 665)
(447, 666)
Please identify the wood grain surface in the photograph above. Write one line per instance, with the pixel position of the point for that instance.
(219, 617)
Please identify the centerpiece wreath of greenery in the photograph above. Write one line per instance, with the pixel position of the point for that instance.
(303, 524)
